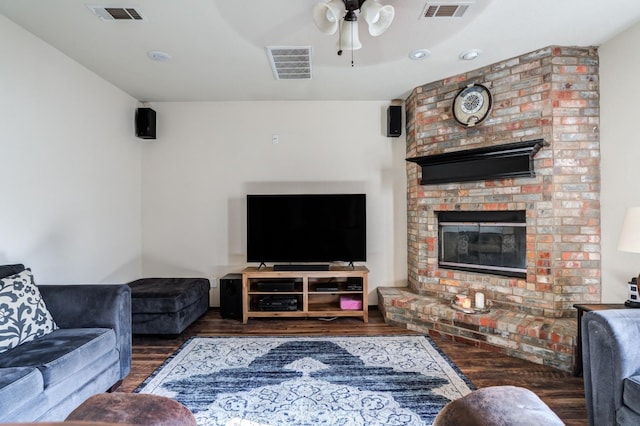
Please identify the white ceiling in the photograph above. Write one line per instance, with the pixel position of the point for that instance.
(217, 47)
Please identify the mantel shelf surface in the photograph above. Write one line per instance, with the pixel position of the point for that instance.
(495, 162)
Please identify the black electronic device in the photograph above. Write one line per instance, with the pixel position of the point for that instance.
(354, 284)
(306, 228)
(275, 285)
(302, 267)
(327, 287)
(278, 303)
(394, 121)
(231, 296)
(145, 123)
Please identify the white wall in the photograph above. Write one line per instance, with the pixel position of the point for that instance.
(70, 174)
(620, 150)
(209, 156)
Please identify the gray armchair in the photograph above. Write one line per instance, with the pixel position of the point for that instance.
(611, 359)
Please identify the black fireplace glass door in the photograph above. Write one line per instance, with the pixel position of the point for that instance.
(498, 248)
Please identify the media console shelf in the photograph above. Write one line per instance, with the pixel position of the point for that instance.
(332, 293)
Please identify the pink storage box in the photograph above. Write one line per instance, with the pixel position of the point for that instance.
(350, 303)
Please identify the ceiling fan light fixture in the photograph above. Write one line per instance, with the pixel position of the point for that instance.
(470, 55)
(378, 17)
(327, 16)
(350, 39)
(419, 54)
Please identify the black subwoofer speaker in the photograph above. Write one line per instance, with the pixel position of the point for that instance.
(145, 123)
(231, 296)
(394, 121)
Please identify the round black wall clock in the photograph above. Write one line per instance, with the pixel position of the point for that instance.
(472, 105)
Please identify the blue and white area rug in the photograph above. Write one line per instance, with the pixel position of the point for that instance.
(258, 381)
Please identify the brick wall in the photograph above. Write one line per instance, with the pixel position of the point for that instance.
(552, 94)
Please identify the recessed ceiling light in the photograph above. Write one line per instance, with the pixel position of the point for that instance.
(470, 55)
(158, 55)
(419, 54)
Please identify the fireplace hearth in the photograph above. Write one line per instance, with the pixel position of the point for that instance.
(491, 242)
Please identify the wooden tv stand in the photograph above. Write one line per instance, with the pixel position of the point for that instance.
(269, 293)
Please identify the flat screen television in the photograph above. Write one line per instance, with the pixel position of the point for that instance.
(306, 228)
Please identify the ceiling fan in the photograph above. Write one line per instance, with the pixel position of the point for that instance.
(327, 17)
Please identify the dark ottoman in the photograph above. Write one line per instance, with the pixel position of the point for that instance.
(498, 406)
(133, 409)
(167, 305)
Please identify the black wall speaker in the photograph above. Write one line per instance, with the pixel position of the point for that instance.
(231, 296)
(394, 121)
(145, 123)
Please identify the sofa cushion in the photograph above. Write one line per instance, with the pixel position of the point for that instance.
(18, 385)
(159, 295)
(8, 270)
(23, 313)
(62, 352)
(631, 393)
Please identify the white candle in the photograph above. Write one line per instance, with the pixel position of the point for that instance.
(466, 303)
(479, 300)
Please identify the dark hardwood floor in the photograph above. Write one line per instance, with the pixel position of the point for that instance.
(561, 391)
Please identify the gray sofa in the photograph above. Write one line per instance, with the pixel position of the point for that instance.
(89, 353)
(611, 360)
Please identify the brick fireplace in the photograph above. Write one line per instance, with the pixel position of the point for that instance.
(551, 94)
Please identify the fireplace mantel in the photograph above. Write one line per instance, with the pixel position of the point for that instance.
(495, 162)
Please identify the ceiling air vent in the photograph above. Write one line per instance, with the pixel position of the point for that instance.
(290, 62)
(116, 13)
(445, 9)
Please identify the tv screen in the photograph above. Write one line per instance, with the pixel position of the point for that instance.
(306, 228)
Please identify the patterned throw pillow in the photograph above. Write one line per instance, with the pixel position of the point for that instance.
(23, 314)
